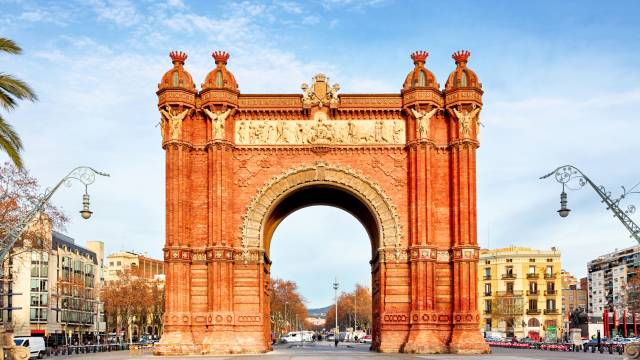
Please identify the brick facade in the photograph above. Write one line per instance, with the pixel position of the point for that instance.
(416, 198)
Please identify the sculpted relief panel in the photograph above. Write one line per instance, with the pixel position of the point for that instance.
(321, 130)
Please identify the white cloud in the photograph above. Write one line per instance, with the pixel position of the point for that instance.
(120, 12)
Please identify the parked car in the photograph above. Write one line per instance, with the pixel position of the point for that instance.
(367, 339)
(35, 344)
(297, 336)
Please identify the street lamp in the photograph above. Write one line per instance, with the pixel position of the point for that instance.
(84, 174)
(567, 175)
(335, 289)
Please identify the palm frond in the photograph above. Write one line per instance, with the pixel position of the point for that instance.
(9, 46)
(10, 142)
(11, 88)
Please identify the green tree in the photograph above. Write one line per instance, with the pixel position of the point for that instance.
(12, 90)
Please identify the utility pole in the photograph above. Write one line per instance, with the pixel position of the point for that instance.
(335, 289)
(355, 310)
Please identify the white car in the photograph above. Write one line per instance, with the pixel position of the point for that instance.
(34, 343)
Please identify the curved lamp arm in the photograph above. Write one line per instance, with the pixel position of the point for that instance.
(566, 173)
(83, 174)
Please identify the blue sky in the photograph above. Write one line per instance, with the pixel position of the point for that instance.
(561, 86)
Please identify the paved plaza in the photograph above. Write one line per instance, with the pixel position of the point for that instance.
(358, 351)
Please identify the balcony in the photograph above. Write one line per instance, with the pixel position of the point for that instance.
(550, 293)
(533, 292)
(549, 276)
(487, 277)
(514, 293)
(532, 275)
(508, 276)
(487, 293)
(533, 311)
(551, 312)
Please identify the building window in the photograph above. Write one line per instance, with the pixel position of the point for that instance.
(487, 262)
(487, 306)
(551, 304)
(509, 287)
(487, 272)
(532, 260)
(533, 287)
(487, 324)
(487, 289)
(533, 304)
(509, 260)
(119, 263)
(175, 78)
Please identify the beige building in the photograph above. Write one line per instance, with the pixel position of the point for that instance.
(126, 260)
(52, 289)
(520, 293)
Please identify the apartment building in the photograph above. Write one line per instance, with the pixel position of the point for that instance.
(51, 289)
(126, 260)
(607, 278)
(520, 293)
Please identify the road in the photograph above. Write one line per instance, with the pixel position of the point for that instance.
(325, 350)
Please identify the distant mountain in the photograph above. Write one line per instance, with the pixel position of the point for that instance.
(319, 312)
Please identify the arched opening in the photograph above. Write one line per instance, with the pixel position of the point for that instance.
(334, 245)
(321, 194)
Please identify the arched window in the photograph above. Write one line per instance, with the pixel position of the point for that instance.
(421, 79)
(533, 322)
(218, 79)
(175, 79)
(463, 79)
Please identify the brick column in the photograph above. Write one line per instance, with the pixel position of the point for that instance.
(425, 333)
(466, 336)
(220, 336)
(177, 317)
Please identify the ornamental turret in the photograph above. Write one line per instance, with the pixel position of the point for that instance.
(463, 86)
(176, 97)
(420, 86)
(463, 96)
(421, 97)
(220, 86)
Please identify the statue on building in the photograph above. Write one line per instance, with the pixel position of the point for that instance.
(175, 121)
(217, 123)
(465, 118)
(423, 121)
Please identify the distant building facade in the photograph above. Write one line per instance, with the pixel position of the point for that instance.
(520, 293)
(51, 290)
(574, 293)
(607, 278)
(127, 260)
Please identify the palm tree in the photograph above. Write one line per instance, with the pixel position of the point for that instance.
(11, 90)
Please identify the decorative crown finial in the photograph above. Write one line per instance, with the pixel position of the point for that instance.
(419, 56)
(220, 56)
(178, 57)
(461, 56)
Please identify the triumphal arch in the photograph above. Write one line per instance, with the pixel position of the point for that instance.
(404, 164)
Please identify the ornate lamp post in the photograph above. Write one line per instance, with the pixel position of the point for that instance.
(568, 175)
(83, 174)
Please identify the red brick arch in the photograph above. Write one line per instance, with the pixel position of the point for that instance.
(381, 219)
(402, 164)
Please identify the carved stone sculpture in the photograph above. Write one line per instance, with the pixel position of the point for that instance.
(423, 121)
(321, 130)
(175, 121)
(217, 123)
(464, 119)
